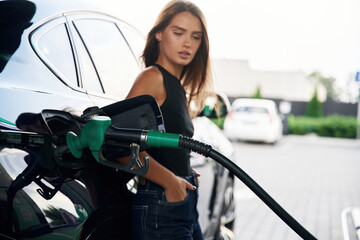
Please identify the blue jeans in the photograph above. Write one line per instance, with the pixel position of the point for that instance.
(154, 218)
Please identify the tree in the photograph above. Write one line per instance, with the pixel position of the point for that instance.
(58, 216)
(328, 83)
(314, 107)
(257, 93)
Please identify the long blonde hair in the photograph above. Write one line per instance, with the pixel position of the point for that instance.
(196, 78)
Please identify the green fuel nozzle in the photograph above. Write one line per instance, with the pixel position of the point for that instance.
(92, 136)
(99, 130)
(162, 139)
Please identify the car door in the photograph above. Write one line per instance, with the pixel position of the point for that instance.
(33, 216)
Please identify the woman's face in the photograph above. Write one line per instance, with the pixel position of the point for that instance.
(180, 40)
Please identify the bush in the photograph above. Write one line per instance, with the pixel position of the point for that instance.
(314, 106)
(330, 126)
(257, 93)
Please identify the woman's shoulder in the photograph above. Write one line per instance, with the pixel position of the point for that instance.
(149, 81)
(151, 74)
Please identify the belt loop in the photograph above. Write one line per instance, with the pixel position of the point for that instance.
(195, 178)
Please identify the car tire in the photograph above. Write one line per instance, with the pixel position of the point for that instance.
(228, 215)
(226, 234)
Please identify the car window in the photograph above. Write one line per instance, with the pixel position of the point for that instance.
(134, 38)
(252, 110)
(113, 59)
(89, 77)
(55, 46)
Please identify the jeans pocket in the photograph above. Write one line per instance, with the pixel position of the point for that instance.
(175, 219)
(179, 203)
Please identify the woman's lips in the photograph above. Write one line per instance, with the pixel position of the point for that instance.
(184, 54)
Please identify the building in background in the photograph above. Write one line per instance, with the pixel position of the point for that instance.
(236, 79)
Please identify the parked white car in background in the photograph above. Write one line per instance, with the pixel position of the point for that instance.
(254, 120)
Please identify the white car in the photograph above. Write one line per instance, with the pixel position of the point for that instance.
(69, 55)
(254, 120)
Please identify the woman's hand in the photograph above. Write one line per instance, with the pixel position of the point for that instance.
(174, 186)
(176, 190)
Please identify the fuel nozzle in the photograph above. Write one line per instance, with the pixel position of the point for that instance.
(93, 136)
(99, 130)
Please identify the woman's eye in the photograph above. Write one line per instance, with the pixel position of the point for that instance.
(177, 33)
(196, 37)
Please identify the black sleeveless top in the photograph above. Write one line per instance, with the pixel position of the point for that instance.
(176, 120)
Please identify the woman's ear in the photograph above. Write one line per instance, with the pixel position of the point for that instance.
(158, 36)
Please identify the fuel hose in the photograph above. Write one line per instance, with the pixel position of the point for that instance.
(208, 151)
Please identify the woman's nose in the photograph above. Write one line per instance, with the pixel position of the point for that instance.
(187, 41)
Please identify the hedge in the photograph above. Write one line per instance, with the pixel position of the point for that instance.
(330, 126)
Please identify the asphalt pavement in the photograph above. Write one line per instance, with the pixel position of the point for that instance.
(312, 178)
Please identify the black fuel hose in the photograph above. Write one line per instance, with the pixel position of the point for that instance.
(208, 151)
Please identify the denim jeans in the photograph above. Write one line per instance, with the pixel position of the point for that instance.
(154, 218)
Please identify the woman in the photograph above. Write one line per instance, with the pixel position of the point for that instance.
(177, 73)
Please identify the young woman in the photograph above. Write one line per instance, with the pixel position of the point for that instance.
(177, 73)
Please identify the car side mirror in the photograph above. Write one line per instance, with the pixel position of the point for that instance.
(216, 107)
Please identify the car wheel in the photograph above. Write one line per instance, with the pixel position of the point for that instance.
(226, 234)
(228, 215)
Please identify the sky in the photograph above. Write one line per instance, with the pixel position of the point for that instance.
(273, 35)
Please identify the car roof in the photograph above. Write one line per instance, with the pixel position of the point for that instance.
(253, 102)
(39, 9)
(25, 13)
